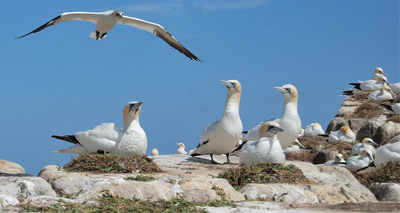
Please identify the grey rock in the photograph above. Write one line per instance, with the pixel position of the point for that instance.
(8, 167)
(385, 191)
(355, 124)
(387, 131)
(335, 124)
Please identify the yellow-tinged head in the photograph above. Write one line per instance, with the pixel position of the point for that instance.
(289, 92)
(345, 129)
(154, 152)
(269, 128)
(339, 158)
(181, 145)
(367, 153)
(234, 88)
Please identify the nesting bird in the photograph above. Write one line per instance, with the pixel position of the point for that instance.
(314, 129)
(154, 152)
(339, 161)
(266, 149)
(366, 143)
(395, 88)
(221, 137)
(387, 152)
(294, 148)
(369, 85)
(343, 134)
(377, 73)
(181, 149)
(105, 21)
(360, 161)
(289, 121)
(384, 94)
(110, 138)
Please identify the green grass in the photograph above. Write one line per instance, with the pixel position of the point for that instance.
(141, 178)
(109, 163)
(263, 173)
(108, 203)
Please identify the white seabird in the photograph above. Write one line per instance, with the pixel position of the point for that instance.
(387, 152)
(377, 72)
(344, 134)
(360, 161)
(339, 161)
(294, 148)
(369, 85)
(181, 149)
(105, 21)
(266, 149)
(366, 143)
(314, 129)
(154, 152)
(384, 94)
(395, 88)
(289, 121)
(221, 137)
(110, 138)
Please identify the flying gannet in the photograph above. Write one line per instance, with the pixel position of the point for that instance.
(339, 161)
(344, 134)
(289, 121)
(387, 152)
(110, 138)
(105, 21)
(266, 149)
(181, 149)
(384, 94)
(221, 137)
(314, 129)
(360, 161)
(365, 143)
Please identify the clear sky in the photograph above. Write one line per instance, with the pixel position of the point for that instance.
(60, 81)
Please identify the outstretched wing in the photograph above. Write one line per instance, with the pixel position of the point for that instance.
(65, 17)
(159, 31)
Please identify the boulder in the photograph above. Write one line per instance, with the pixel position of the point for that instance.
(385, 191)
(8, 167)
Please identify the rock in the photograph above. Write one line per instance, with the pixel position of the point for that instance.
(13, 189)
(355, 124)
(324, 156)
(8, 167)
(369, 129)
(387, 131)
(385, 191)
(395, 139)
(335, 124)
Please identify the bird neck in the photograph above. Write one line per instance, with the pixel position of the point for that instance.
(232, 104)
(131, 122)
(290, 107)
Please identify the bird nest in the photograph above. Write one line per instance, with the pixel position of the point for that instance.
(370, 109)
(109, 163)
(388, 173)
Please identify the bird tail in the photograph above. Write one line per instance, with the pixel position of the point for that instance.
(347, 93)
(388, 107)
(356, 85)
(69, 138)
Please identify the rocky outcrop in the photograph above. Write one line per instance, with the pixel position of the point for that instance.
(385, 191)
(8, 167)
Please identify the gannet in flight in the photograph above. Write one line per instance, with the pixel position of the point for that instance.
(181, 149)
(360, 161)
(339, 161)
(289, 121)
(266, 149)
(387, 152)
(366, 143)
(313, 130)
(105, 21)
(344, 134)
(221, 137)
(110, 138)
(384, 94)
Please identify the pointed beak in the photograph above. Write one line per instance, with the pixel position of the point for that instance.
(281, 90)
(135, 106)
(370, 157)
(372, 143)
(275, 129)
(299, 144)
(227, 84)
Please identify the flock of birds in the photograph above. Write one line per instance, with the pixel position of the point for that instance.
(268, 141)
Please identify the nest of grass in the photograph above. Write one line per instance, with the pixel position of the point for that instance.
(111, 164)
(388, 173)
(311, 143)
(263, 173)
(394, 118)
(361, 96)
(370, 109)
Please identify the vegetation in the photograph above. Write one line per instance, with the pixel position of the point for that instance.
(263, 173)
(109, 163)
(388, 173)
(141, 178)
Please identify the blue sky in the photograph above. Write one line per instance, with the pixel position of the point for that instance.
(60, 81)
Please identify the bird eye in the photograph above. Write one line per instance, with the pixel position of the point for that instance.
(233, 84)
(288, 89)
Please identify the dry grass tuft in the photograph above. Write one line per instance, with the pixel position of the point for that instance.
(369, 110)
(111, 164)
(263, 173)
(388, 173)
(394, 118)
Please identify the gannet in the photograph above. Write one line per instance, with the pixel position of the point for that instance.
(221, 137)
(181, 149)
(344, 134)
(266, 149)
(294, 148)
(366, 143)
(110, 138)
(339, 161)
(360, 161)
(377, 72)
(105, 21)
(289, 121)
(314, 129)
(387, 152)
(395, 88)
(154, 152)
(384, 94)
(369, 85)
